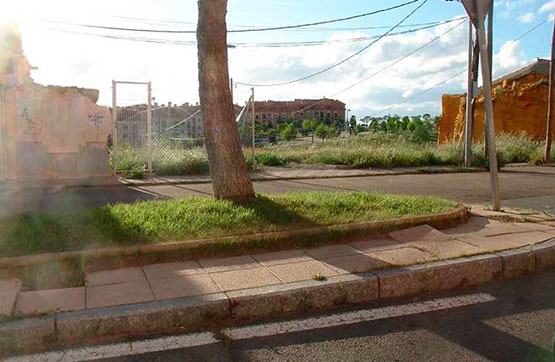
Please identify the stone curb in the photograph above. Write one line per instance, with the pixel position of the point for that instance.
(442, 220)
(111, 323)
(254, 177)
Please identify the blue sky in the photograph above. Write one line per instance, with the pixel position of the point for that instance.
(66, 58)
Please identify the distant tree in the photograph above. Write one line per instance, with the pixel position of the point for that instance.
(421, 134)
(289, 132)
(322, 131)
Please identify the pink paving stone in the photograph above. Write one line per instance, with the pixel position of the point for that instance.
(185, 286)
(106, 277)
(418, 233)
(331, 251)
(508, 241)
(448, 248)
(226, 264)
(482, 221)
(244, 279)
(463, 229)
(402, 256)
(172, 270)
(116, 294)
(282, 257)
(9, 289)
(302, 271)
(52, 300)
(375, 244)
(505, 228)
(357, 263)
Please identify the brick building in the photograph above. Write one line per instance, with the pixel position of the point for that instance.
(323, 110)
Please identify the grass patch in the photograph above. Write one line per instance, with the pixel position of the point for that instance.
(374, 150)
(201, 217)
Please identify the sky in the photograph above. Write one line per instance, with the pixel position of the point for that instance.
(65, 56)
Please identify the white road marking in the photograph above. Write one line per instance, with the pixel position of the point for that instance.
(261, 330)
(272, 329)
(121, 349)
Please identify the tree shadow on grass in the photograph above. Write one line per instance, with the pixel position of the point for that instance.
(274, 213)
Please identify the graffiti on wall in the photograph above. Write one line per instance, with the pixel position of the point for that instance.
(31, 125)
(96, 119)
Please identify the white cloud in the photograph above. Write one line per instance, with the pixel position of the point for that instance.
(548, 6)
(527, 18)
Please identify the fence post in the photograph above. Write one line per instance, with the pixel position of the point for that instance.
(149, 127)
(252, 126)
(114, 128)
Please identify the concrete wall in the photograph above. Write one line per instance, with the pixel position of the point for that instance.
(51, 132)
(519, 105)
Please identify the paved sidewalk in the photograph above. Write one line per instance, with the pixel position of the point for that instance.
(224, 275)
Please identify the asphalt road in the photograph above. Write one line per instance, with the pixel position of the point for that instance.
(525, 187)
(518, 325)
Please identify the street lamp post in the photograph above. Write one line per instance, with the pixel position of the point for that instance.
(347, 122)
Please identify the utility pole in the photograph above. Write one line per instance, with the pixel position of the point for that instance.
(478, 10)
(469, 99)
(549, 125)
(114, 128)
(149, 127)
(347, 122)
(253, 133)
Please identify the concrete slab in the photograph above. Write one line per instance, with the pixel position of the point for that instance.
(505, 228)
(302, 271)
(464, 229)
(418, 233)
(504, 242)
(117, 294)
(9, 289)
(282, 257)
(517, 262)
(358, 263)
(375, 244)
(106, 277)
(402, 256)
(242, 279)
(172, 270)
(185, 286)
(217, 265)
(545, 255)
(21, 334)
(331, 251)
(52, 300)
(447, 249)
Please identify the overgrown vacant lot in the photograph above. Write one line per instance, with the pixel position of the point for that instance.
(376, 150)
(199, 217)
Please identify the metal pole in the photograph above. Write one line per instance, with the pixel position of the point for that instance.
(488, 107)
(469, 98)
(549, 126)
(114, 128)
(252, 126)
(149, 127)
(231, 88)
(347, 122)
(490, 60)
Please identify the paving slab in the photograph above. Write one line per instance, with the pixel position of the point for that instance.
(402, 256)
(117, 294)
(9, 289)
(302, 271)
(282, 257)
(216, 265)
(418, 233)
(375, 244)
(504, 242)
(331, 250)
(52, 300)
(124, 275)
(243, 279)
(184, 286)
(505, 228)
(172, 270)
(447, 249)
(357, 263)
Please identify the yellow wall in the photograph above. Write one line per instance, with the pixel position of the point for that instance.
(518, 105)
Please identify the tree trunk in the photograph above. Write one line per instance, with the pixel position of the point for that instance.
(228, 169)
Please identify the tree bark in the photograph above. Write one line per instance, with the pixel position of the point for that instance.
(228, 169)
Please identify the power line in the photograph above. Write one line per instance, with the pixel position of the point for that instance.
(241, 30)
(458, 73)
(170, 22)
(253, 45)
(386, 67)
(342, 61)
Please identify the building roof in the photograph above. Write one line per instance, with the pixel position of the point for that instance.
(540, 66)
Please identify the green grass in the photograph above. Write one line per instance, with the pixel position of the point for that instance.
(377, 150)
(200, 217)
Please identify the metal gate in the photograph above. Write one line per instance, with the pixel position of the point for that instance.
(132, 125)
